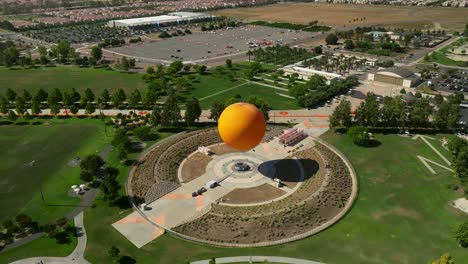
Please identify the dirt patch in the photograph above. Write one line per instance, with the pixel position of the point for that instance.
(262, 193)
(195, 166)
(407, 213)
(222, 149)
(354, 15)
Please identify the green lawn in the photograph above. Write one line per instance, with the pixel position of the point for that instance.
(43, 246)
(266, 93)
(402, 215)
(51, 145)
(67, 77)
(440, 56)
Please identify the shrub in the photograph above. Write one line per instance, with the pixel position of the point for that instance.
(359, 135)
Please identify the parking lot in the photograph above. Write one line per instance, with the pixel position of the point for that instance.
(202, 46)
(455, 82)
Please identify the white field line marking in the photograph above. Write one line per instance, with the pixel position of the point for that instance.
(284, 95)
(427, 161)
(234, 87)
(271, 86)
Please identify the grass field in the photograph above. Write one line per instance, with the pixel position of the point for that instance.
(440, 56)
(340, 15)
(215, 87)
(67, 77)
(50, 145)
(43, 246)
(402, 215)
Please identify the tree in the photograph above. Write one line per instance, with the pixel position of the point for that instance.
(461, 235)
(26, 95)
(171, 112)
(367, 113)
(134, 99)
(35, 106)
(359, 135)
(420, 112)
(63, 50)
(217, 107)
(155, 118)
(41, 95)
(341, 115)
(175, 67)
(118, 97)
(74, 109)
(122, 152)
(444, 259)
(19, 104)
(125, 63)
(318, 50)
(456, 144)
(349, 44)
(88, 96)
(96, 53)
(150, 97)
(23, 220)
(105, 96)
(229, 63)
(3, 105)
(11, 116)
(90, 108)
(331, 39)
(54, 108)
(110, 186)
(55, 96)
(447, 115)
(438, 99)
(114, 253)
(392, 113)
(193, 111)
(10, 56)
(10, 95)
(150, 70)
(92, 164)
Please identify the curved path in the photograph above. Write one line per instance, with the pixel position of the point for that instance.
(249, 259)
(76, 257)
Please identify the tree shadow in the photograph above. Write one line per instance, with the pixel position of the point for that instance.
(127, 260)
(122, 202)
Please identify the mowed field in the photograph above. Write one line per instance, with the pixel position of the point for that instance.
(338, 15)
(68, 77)
(35, 156)
(402, 214)
(219, 88)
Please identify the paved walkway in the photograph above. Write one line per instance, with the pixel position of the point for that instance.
(76, 257)
(142, 227)
(271, 259)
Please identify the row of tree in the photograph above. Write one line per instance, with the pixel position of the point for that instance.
(316, 90)
(395, 112)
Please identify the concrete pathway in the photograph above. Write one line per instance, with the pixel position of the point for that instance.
(270, 259)
(76, 257)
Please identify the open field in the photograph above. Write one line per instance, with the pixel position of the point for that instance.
(36, 156)
(223, 93)
(394, 219)
(68, 77)
(342, 15)
(201, 46)
(442, 56)
(43, 246)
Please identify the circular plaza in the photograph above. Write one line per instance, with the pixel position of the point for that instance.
(195, 187)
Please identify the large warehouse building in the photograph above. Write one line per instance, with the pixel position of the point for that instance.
(395, 75)
(170, 19)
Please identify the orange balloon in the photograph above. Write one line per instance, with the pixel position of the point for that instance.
(241, 126)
